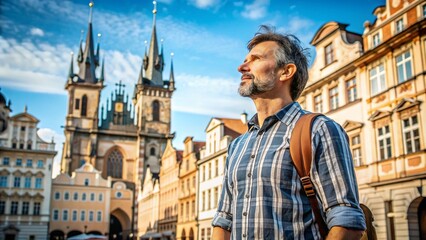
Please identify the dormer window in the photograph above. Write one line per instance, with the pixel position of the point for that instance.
(329, 56)
(376, 39)
(399, 25)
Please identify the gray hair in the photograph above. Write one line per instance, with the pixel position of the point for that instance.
(289, 51)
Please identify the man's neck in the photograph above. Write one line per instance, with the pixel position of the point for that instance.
(268, 107)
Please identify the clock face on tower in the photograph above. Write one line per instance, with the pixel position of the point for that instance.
(75, 78)
(119, 107)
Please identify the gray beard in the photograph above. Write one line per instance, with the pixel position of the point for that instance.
(254, 88)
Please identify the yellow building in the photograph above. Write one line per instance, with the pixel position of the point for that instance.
(211, 167)
(187, 218)
(169, 191)
(25, 176)
(374, 85)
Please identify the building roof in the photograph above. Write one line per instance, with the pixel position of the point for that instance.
(233, 127)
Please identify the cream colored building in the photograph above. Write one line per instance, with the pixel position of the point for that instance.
(211, 166)
(374, 85)
(148, 213)
(25, 177)
(80, 203)
(187, 218)
(169, 181)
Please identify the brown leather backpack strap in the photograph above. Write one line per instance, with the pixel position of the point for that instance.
(301, 155)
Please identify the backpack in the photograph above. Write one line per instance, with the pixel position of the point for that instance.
(301, 155)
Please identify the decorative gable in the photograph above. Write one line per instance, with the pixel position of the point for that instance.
(351, 125)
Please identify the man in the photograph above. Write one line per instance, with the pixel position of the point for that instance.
(262, 196)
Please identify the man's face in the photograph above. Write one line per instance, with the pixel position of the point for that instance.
(259, 72)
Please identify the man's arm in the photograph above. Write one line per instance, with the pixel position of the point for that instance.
(220, 234)
(337, 232)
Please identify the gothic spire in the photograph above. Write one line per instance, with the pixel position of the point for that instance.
(97, 58)
(155, 64)
(172, 75)
(88, 64)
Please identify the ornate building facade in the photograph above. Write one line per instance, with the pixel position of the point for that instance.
(219, 134)
(25, 176)
(374, 85)
(187, 227)
(121, 141)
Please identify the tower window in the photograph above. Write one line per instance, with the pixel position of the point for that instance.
(155, 111)
(84, 106)
(115, 164)
(152, 152)
(77, 103)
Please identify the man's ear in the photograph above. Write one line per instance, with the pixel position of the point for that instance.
(288, 72)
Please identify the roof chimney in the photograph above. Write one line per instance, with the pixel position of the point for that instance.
(244, 117)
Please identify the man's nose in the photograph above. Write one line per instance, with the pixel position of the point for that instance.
(243, 67)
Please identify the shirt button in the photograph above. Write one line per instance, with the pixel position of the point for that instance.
(249, 175)
(244, 235)
(247, 196)
(252, 156)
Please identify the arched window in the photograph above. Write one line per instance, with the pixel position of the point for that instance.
(155, 111)
(115, 164)
(152, 151)
(84, 106)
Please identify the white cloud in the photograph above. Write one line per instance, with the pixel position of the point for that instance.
(37, 32)
(217, 96)
(203, 4)
(47, 135)
(256, 10)
(301, 27)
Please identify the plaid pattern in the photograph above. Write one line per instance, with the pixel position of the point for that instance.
(262, 197)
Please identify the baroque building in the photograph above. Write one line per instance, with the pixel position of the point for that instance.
(211, 168)
(25, 176)
(124, 140)
(373, 84)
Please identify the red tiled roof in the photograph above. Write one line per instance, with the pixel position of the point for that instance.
(233, 127)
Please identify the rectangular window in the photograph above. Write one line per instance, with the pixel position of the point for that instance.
(3, 181)
(181, 210)
(216, 167)
(83, 197)
(187, 210)
(99, 217)
(384, 142)
(334, 98)
(209, 233)
(17, 182)
(329, 55)
(193, 208)
(29, 163)
(36, 210)
(376, 40)
(27, 183)
(77, 103)
(202, 234)
(25, 208)
(91, 216)
(101, 197)
(64, 215)
(92, 197)
(18, 162)
(75, 197)
(204, 172)
(216, 196)
(356, 150)
(5, 161)
(55, 216)
(57, 195)
(83, 216)
(14, 208)
(411, 134)
(38, 183)
(399, 25)
(318, 103)
(40, 164)
(204, 200)
(351, 90)
(66, 196)
(210, 170)
(377, 79)
(403, 66)
(2, 207)
(209, 205)
(424, 11)
(74, 215)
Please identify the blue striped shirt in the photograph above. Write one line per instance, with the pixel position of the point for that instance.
(262, 196)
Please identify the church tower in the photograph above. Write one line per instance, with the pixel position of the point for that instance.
(152, 101)
(84, 92)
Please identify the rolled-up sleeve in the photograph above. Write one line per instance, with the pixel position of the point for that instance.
(334, 176)
(223, 216)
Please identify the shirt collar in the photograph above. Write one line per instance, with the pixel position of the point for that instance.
(286, 115)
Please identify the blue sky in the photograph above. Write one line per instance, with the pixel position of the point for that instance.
(207, 38)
